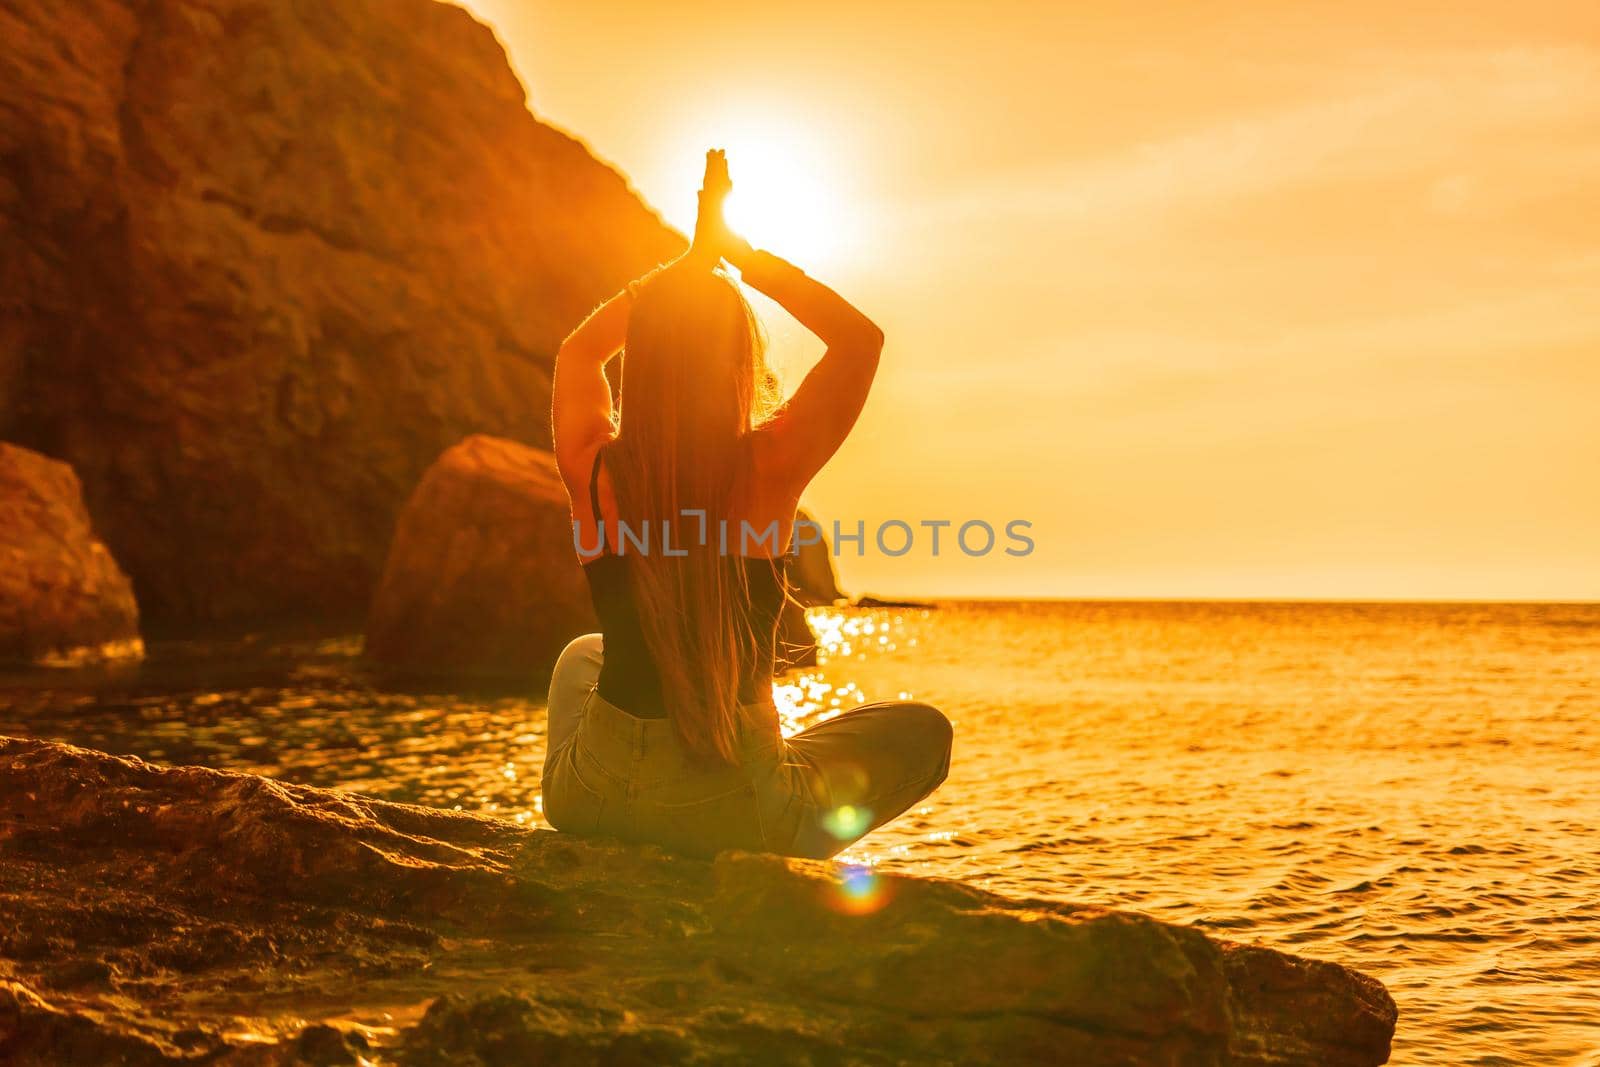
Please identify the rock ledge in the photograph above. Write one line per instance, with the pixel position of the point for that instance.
(164, 915)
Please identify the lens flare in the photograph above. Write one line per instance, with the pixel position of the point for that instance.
(859, 891)
(847, 822)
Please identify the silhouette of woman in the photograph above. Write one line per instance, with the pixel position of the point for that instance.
(662, 726)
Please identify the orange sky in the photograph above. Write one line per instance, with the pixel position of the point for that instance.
(1235, 299)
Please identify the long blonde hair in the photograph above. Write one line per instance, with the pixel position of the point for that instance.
(694, 384)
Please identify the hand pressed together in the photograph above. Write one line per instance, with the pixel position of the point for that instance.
(714, 240)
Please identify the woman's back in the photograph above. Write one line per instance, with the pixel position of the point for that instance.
(629, 677)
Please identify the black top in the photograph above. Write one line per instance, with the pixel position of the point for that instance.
(628, 675)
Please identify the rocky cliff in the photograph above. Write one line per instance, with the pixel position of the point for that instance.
(166, 915)
(265, 260)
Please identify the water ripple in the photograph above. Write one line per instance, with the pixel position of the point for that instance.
(1408, 789)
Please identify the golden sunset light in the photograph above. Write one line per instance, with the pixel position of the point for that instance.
(801, 532)
(1296, 301)
(788, 186)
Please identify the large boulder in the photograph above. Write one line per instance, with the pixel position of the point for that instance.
(167, 915)
(63, 599)
(482, 577)
(265, 259)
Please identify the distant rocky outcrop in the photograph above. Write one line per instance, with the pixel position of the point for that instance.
(63, 599)
(180, 915)
(482, 577)
(266, 259)
(811, 571)
(867, 600)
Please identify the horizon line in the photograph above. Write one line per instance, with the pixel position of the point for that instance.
(1460, 601)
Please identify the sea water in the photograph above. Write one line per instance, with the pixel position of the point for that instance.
(1411, 790)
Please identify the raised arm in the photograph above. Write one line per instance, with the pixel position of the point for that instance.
(808, 430)
(581, 411)
(580, 395)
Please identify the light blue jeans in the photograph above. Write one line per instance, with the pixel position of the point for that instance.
(609, 773)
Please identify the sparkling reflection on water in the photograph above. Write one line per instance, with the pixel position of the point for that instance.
(1409, 789)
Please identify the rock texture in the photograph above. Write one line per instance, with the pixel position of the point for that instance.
(63, 599)
(482, 576)
(811, 572)
(265, 260)
(164, 915)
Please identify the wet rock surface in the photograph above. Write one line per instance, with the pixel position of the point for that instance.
(162, 915)
(63, 599)
(265, 260)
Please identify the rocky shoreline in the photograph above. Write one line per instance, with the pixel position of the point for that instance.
(279, 326)
(181, 915)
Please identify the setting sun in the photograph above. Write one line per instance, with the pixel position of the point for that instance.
(830, 532)
(787, 191)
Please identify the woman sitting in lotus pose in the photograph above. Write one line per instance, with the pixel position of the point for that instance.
(662, 726)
